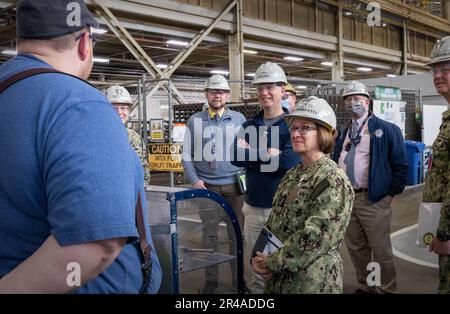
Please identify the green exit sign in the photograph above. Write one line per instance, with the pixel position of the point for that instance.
(388, 93)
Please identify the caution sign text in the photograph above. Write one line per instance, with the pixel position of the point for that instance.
(165, 157)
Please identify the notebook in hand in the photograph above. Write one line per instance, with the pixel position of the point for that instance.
(266, 243)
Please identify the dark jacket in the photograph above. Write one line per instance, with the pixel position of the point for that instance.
(264, 173)
(388, 168)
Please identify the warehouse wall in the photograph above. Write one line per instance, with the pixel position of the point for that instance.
(303, 15)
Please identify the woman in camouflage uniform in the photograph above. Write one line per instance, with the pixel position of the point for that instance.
(311, 209)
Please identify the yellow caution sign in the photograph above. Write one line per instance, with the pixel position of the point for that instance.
(156, 130)
(165, 157)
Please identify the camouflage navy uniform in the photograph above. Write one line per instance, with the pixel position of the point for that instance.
(139, 147)
(437, 190)
(311, 210)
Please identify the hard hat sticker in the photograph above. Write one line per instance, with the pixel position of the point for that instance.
(428, 238)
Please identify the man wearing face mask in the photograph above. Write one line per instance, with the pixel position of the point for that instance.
(289, 98)
(372, 153)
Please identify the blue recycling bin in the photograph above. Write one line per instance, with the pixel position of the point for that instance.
(414, 150)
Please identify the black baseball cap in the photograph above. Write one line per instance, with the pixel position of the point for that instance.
(45, 19)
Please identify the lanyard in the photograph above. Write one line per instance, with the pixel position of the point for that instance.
(213, 163)
(355, 140)
(213, 131)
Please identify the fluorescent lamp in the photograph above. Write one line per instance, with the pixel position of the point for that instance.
(100, 60)
(391, 75)
(98, 31)
(222, 72)
(348, 13)
(364, 69)
(301, 87)
(291, 58)
(250, 74)
(177, 43)
(327, 63)
(250, 52)
(161, 66)
(9, 52)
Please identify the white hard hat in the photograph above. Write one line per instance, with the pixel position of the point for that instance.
(269, 72)
(118, 94)
(355, 88)
(316, 110)
(217, 82)
(441, 51)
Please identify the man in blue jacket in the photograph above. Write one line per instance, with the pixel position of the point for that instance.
(69, 179)
(264, 148)
(372, 152)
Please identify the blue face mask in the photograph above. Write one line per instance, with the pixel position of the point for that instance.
(285, 104)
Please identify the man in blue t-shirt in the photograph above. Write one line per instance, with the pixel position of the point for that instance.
(69, 180)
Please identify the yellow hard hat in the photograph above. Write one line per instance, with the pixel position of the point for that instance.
(289, 88)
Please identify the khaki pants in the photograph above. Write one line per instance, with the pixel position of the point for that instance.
(368, 240)
(211, 218)
(254, 219)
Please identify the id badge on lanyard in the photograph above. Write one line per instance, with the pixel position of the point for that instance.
(213, 162)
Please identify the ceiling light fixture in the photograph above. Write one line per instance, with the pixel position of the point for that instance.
(9, 52)
(364, 69)
(391, 75)
(292, 58)
(222, 72)
(327, 63)
(98, 31)
(161, 66)
(250, 52)
(177, 43)
(100, 60)
(250, 74)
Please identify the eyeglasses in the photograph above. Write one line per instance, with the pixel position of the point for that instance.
(287, 95)
(301, 129)
(351, 98)
(443, 69)
(91, 36)
(218, 92)
(269, 87)
(123, 108)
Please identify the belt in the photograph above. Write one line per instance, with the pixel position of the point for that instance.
(361, 190)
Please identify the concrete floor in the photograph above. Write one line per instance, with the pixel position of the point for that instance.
(411, 278)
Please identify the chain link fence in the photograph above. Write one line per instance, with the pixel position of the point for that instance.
(152, 99)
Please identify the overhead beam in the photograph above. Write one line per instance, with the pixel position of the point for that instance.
(404, 11)
(371, 51)
(404, 49)
(337, 70)
(193, 44)
(412, 13)
(136, 50)
(371, 64)
(268, 32)
(201, 17)
(236, 57)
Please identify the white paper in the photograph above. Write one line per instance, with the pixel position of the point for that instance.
(429, 214)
